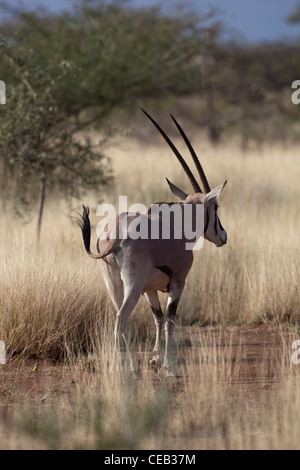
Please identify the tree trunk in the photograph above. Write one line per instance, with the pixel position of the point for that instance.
(41, 208)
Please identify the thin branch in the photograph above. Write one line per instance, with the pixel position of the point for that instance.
(19, 69)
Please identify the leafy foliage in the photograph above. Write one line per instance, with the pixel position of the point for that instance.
(40, 143)
(66, 73)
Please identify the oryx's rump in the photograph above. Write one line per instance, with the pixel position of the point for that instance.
(159, 259)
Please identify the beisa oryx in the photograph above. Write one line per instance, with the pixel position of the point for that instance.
(133, 266)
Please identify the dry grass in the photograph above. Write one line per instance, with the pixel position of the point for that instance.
(50, 300)
(211, 405)
(53, 305)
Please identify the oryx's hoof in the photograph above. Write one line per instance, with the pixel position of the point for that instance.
(154, 363)
(169, 371)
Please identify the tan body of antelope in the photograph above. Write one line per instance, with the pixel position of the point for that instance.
(144, 266)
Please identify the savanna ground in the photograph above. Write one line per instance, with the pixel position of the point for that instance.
(237, 387)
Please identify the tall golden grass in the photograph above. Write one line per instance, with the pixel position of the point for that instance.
(53, 305)
(210, 406)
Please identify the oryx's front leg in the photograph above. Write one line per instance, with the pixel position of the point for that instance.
(173, 301)
(153, 300)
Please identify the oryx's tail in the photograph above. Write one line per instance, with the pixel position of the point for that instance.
(85, 226)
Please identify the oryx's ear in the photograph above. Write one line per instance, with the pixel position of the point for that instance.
(214, 194)
(176, 191)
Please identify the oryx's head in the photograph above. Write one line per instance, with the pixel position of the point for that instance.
(213, 230)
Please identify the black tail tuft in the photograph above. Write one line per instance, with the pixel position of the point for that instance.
(84, 224)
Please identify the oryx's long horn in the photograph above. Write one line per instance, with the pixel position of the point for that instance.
(194, 156)
(181, 160)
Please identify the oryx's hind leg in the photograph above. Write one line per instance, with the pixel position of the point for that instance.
(153, 301)
(112, 278)
(114, 284)
(133, 280)
(122, 330)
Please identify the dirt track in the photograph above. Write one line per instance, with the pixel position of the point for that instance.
(253, 358)
(244, 364)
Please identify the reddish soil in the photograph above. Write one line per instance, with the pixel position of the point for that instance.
(252, 357)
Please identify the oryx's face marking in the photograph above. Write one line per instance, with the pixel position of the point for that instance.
(213, 229)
